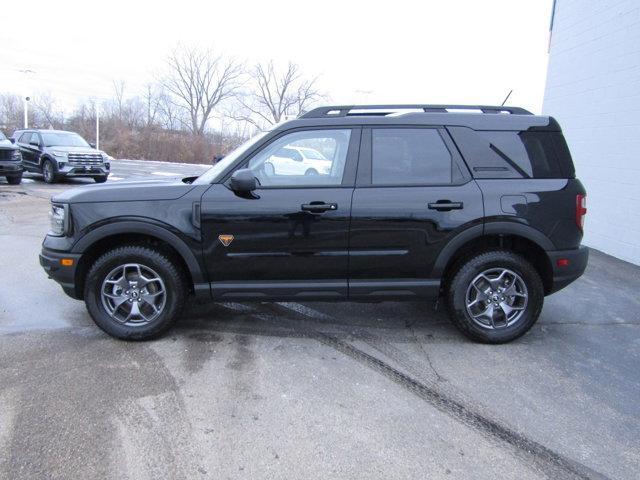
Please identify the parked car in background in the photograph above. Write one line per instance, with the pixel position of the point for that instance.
(298, 161)
(10, 161)
(58, 154)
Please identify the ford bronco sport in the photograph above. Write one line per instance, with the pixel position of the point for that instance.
(478, 205)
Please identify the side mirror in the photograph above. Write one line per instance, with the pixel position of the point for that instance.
(92, 145)
(217, 158)
(34, 143)
(243, 181)
(12, 140)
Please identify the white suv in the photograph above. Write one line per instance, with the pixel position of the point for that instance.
(291, 160)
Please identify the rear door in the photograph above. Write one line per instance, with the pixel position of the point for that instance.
(413, 194)
(290, 238)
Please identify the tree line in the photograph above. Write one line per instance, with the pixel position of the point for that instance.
(201, 106)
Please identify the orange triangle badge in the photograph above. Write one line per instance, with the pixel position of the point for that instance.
(225, 239)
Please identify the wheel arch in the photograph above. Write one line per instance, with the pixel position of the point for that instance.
(96, 242)
(516, 237)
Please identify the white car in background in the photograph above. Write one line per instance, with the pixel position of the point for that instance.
(297, 161)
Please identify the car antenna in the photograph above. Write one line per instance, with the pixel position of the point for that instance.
(506, 98)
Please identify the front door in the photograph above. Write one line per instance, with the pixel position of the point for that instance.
(289, 240)
(413, 195)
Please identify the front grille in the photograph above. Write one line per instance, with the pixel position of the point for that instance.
(6, 154)
(85, 158)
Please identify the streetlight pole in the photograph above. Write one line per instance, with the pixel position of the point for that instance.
(26, 71)
(97, 126)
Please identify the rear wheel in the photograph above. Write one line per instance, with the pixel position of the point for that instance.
(495, 297)
(48, 172)
(14, 180)
(134, 292)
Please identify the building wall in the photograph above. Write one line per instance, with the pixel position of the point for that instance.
(593, 90)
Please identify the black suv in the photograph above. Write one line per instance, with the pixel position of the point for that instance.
(10, 161)
(405, 202)
(57, 154)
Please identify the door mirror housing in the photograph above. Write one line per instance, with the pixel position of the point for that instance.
(92, 145)
(243, 181)
(34, 143)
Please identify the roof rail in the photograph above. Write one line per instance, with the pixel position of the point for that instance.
(347, 110)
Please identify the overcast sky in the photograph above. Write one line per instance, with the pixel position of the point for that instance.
(455, 51)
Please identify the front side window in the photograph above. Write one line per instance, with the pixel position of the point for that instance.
(303, 158)
(409, 156)
(25, 137)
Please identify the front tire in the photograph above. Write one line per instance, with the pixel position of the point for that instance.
(48, 172)
(15, 180)
(135, 292)
(100, 179)
(495, 297)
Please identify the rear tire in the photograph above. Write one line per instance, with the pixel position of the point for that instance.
(14, 180)
(48, 172)
(502, 283)
(100, 179)
(114, 287)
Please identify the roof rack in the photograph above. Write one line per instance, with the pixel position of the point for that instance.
(361, 110)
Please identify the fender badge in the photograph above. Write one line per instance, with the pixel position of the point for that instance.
(225, 239)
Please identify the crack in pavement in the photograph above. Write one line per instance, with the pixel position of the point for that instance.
(551, 463)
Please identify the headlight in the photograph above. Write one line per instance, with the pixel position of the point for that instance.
(106, 157)
(59, 220)
(59, 154)
(16, 155)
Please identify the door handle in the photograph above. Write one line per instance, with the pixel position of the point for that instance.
(318, 207)
(445, 205)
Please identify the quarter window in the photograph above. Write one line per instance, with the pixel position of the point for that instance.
(303, 158)
(409, 156)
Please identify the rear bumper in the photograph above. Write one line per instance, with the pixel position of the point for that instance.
(564, 275)
(50, 260)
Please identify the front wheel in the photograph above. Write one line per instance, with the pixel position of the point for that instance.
(134, 292)
(15, 180)
(495, 297)
(100, 179)
(48, 173)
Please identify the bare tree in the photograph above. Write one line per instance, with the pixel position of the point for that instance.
(273, 94)
(199, 80)
(45, 106)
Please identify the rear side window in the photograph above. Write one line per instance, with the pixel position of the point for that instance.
(409, 156)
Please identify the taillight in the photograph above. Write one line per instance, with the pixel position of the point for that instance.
(581, 209)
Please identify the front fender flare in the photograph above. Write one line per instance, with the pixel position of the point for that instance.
(145, 228)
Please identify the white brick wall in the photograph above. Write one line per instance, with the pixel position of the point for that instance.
(593, 90)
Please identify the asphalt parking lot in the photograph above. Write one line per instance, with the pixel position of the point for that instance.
(314, 390)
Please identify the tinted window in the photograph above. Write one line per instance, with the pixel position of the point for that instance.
(281, 164)
(409, 156)
(532, 154)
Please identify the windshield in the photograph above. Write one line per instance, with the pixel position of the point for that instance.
(212, 175)
(63, 140)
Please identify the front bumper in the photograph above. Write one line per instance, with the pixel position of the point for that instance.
(74, 170)
(564, 275)
(10, 168)
(51, 261)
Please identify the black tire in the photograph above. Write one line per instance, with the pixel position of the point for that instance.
(311, 171)
(175, 286)
(467, 271)
(100, 179)
(48, 172)
(14, 180)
